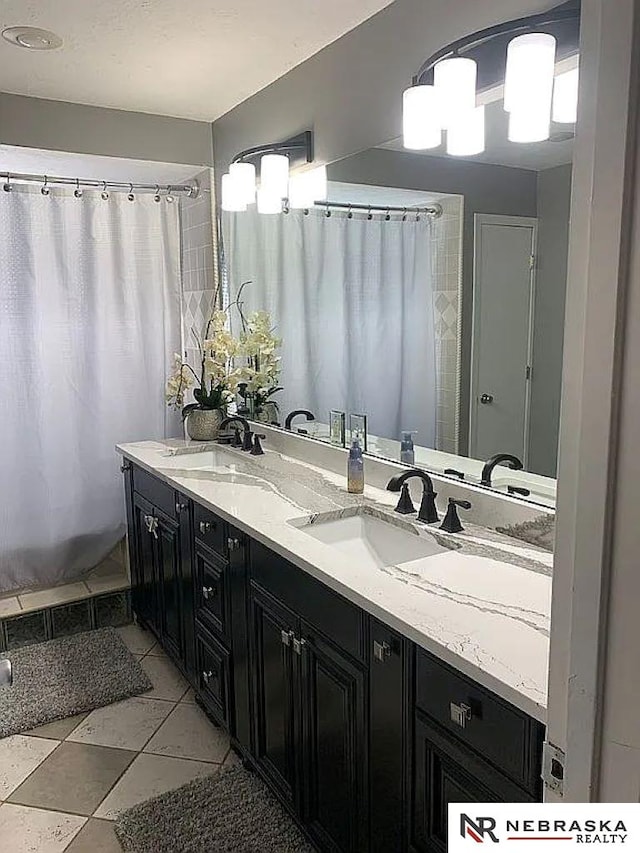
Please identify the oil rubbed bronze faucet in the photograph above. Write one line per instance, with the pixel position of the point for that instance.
(500, 458)
(427, 512)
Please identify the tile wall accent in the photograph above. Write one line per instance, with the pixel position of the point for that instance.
(447, 268)
(198, 263)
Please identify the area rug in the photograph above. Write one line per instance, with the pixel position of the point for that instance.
(68, 676)
(230, 812)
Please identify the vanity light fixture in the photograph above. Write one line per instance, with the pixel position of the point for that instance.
(285, 179)
(444, 91)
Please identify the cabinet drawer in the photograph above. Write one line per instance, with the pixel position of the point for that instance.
(211, 591)
(210, 530)
(155, 491)
(338, 619)
(213, 675)
(501, 734)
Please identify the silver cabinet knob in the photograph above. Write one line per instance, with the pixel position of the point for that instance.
(233, 544)
(285, 638)
(381, 651)
(460, 714)
(205, 527)
(126, 466)
(207, 676)
(208, 592)
(486, 399)
(298, 645)
(180, 507)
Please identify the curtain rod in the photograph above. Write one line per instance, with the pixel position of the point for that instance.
(434, 210)
(190, 190)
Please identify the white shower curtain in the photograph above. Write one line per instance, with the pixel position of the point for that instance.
(352, 300)
(89, 319)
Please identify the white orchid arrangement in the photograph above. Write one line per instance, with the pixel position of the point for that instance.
(247, 365)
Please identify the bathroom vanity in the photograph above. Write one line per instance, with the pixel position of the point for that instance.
(366, 696)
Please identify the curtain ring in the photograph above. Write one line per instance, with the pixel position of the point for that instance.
(388, 216)
(306, 211)
(327, 212)
(77, 192)
(350, 213)
(418, 214)
(369, 215)
(169, 196)
(8, 187)
(157, 195)
(404, 214)
(104, 195)
(131, 196)
(44, 189)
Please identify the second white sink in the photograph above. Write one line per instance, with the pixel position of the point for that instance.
(371, 541)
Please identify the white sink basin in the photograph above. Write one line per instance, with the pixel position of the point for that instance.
(371, 541)
(205, 460)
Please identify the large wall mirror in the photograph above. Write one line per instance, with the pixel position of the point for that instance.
(429, 296)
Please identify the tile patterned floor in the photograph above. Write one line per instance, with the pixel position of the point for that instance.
(62, 785)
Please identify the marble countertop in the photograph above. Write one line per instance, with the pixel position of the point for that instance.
(483, 607)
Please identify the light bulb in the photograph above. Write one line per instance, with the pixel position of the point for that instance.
(274, 174)
(421, 118)
(232, 199)
(455, 82)
(565, 97)
(268, 202)
(244, 178)
(528, 125)
(528, 80)
(465, 135)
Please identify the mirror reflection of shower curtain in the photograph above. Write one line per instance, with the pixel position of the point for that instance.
(89, 319)
(352, 300)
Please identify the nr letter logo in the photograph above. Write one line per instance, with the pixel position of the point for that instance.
(479, 828)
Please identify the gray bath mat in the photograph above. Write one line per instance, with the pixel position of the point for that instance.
(229, 812)
(68, 676)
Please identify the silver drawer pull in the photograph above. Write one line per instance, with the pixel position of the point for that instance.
(208, 592)
(152, 524)
(381, 651)
(285, 638)
(233, 544)
(207, 676)
(180, 507)
(205, 527)
(298, 645)
(460, 714)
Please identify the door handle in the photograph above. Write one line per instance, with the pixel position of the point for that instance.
(486, 399)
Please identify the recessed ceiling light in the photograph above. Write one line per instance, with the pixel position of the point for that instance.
(32, 38)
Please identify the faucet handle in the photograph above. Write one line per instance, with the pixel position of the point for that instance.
(236, 441)
(246, 441)
(405, 504)
(451, 523)
(257, 450)
(428, 511)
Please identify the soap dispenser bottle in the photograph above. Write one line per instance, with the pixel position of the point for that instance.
(355, 468)
(407, 450)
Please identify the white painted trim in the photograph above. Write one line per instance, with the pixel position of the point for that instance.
(600, 218)
(479, 220)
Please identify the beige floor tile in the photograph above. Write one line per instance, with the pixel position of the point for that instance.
(232, 759)
(187, 733)
(148, 776)
(189, 698)
(9, 606)
(74, 779)
(156, 651)
(123, 725)
(56, 595)
(19, 756)
(25, 830)
(96, 836)
(167, 682)
(137, 641)
(58, 729)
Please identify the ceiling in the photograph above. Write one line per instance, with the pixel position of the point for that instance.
(193, 59)
(32, 161)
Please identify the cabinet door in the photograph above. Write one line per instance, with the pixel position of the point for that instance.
(143, 569)
(170, 580)
(447, 772)
(274, 683)
(333, 707)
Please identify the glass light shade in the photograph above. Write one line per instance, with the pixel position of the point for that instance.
(421, 118)
(455, 82)
(565, 97)
(529, 125)
(465, 134)
(232, 198)
(301, 191)
(528, 80)
(317, 178)
(244, 178)
(268, 202)
(274, 174)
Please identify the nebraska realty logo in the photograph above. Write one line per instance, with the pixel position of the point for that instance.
(543, 826)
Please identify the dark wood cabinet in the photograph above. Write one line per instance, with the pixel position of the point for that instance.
(365, 738)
